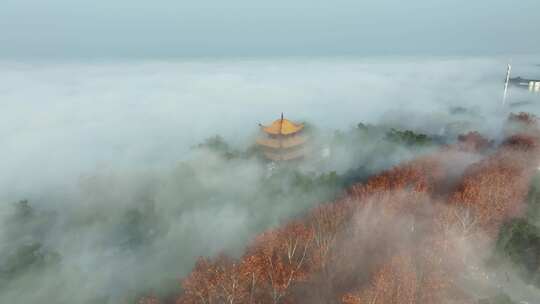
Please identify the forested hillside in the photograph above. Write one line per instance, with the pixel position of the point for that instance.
(423, 231)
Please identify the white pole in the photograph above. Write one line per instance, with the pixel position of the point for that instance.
(506, 83)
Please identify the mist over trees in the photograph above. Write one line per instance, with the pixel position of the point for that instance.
(111, 193)
(131, 219)
(386, 237)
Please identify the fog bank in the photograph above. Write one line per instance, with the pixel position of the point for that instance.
(122, 203)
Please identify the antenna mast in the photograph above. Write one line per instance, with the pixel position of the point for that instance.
(280, 136)
(506, 83)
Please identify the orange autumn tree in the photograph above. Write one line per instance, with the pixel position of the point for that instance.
(494, 190)
(474, 141)
(215, 281)
(280, 258)
(395, 283)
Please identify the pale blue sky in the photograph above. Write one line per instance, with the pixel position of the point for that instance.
(176, 28)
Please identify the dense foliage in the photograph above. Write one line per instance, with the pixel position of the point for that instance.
(26, 254)
(408, 137)
(519, 239)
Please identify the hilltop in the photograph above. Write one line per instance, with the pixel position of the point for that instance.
(423, 231)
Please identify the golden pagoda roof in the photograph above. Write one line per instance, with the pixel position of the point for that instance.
(287, 142)
(283, 126)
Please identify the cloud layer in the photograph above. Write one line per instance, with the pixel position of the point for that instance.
(103, 153)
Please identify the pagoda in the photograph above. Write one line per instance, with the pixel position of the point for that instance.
(282, 140)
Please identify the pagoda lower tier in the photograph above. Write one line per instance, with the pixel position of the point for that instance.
(285, 154)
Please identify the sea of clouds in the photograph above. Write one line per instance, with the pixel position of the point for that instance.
(89, 142)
